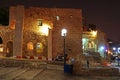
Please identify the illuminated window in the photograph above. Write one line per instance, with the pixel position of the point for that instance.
(1, 47)
(39, 47)
(90, 44)
(58, 18)
(29, 46)
(44, 29)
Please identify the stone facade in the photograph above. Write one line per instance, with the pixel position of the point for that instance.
(6, 35)
(25, 22)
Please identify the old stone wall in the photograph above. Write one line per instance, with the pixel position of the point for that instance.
(57, 18)
(6, 35)
(71, 19)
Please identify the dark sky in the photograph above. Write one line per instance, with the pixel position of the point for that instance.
(105, 14)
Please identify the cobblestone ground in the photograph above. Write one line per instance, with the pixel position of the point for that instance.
(10, 73)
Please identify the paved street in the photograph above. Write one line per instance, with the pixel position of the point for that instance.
(10, 73)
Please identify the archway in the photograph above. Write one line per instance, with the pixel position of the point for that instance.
(9, 49)
(1, 46)
(1, 41)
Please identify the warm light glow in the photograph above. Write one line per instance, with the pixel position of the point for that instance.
(90, 44)
(7, 50)
(12, 24)
(109, 52)
(94, 33)
(1, 49)
(63, 32)
(39, 47)
(29, 46)
(44, 29)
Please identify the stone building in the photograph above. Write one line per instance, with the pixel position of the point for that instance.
(36, 31)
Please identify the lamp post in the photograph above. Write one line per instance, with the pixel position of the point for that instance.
(63, 33)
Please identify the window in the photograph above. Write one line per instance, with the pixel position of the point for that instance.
(90, 44)
(1, 47)
(40, 23)
(39, 47)
(58, 18)
(29, 46)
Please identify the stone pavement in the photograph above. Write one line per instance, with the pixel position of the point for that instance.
(17, 73)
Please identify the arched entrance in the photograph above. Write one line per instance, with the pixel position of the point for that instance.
(1, 47)
(1, 40)
(9, 49)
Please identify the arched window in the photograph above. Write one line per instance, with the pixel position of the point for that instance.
(29, 46)
(39, 47)
(90, 44)
(1, 45)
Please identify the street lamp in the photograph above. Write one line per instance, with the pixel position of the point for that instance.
(63, 33)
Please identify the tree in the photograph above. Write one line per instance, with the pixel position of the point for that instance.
(91, 27)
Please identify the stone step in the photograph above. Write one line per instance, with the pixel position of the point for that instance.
(14, 74)
(6, 70)
(29, 74)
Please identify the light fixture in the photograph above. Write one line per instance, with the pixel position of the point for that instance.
(94, 33)
(44, 29)
(114, 48)
(63, 33)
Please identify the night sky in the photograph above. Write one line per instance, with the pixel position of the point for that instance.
(105, 14)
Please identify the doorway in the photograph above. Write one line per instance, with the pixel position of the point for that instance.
(9, 48)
